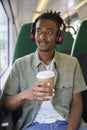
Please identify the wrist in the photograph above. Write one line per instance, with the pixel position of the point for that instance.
(71, 128)
(23, 96)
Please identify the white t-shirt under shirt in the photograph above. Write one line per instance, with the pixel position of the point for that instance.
(47, 113)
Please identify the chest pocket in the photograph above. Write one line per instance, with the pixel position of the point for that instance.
(64, 93)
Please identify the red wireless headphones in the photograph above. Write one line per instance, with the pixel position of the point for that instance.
(32, 36)
(59, 37)
(32, 33)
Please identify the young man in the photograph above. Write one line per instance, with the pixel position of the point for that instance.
(63, 110)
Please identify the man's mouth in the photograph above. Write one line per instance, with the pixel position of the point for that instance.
(44, 43)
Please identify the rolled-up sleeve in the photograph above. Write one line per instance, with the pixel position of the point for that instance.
(12, 85)
(79, 82)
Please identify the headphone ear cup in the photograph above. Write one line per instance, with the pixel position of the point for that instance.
(32, 36)
(59, 38)
(32, 33)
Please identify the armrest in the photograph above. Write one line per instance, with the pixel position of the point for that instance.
(5, 119)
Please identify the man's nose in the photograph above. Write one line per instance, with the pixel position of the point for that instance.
(43, 36)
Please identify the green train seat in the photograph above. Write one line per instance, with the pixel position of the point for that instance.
(24, 45)
(79, 50)
(67, 43)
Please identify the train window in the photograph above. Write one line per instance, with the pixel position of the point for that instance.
(3, 40)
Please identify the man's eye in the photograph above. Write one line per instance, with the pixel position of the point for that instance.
(38, 32)
(50, 32)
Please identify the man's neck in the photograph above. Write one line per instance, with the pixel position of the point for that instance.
(46, 57)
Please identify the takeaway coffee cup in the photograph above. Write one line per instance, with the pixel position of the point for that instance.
(47, 76)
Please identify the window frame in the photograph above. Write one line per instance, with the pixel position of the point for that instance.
(7, 65)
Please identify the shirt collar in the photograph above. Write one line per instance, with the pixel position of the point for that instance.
(57, 58)
(38, 61)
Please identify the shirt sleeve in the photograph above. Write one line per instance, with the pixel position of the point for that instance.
(12, 85)
(79, 82)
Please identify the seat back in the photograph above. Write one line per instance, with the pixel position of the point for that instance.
(67, 43)
(24, 45)
(80, 43)
(79, 50)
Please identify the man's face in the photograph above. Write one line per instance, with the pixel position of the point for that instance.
(45, 35)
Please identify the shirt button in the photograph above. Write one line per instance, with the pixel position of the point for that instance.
(63, 86)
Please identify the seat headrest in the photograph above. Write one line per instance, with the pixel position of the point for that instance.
(24, 45)
(80, 43)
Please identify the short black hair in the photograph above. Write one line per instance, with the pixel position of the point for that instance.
(54, 16)
(50, 15)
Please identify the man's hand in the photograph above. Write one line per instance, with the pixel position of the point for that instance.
(40, 91)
